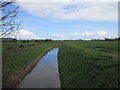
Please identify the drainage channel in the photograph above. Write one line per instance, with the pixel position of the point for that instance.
(45, 74)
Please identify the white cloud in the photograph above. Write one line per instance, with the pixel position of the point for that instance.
(25, 34)
(22, 34)
(58, 36)
(101, 11)
(90, 35)
(85, 35)
(102, 33)
(68, 0)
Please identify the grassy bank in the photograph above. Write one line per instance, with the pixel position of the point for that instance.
(81, 65)
(16, 56)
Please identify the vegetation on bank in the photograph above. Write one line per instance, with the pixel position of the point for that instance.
(16, 56)
(81, 65)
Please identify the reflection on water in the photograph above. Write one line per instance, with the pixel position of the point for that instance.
(44, 74)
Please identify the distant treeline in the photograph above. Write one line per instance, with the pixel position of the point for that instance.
(15, 40)
(107, 39)
(46, 40)
(50, 40)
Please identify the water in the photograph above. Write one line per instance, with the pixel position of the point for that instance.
(44, 74)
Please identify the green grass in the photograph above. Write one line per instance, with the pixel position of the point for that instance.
(107, 46)
(81, 63)
(82, 66)
(15, 58)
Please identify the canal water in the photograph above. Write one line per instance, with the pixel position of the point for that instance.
(45, 74)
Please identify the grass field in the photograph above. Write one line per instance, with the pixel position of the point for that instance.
(106, 46)
(82, 64)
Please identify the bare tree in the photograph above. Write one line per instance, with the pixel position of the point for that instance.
(8, 24)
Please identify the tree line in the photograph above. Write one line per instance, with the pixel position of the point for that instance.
(107, 39)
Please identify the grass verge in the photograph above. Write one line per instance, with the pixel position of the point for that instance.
(86, 68)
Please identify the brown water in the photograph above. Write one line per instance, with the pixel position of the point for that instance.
(45, 74)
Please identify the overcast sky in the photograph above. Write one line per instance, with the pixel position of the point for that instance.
(68, 19)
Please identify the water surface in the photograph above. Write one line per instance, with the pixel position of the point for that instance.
(44, 74)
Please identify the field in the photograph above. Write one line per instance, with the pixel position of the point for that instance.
(88, 64)
(82, 64)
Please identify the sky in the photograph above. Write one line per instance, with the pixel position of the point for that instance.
(68, 19)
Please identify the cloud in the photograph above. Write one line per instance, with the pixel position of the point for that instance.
(58, 36)
(68, 0)
(94, 11)
(25, 34)
(90, 35)
(102, 33)
(85, 35)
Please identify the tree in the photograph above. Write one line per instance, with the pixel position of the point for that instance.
(8, 24)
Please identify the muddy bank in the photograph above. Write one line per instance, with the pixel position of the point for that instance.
(13, 81)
